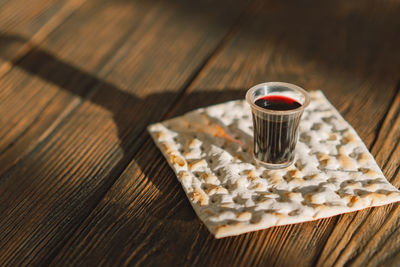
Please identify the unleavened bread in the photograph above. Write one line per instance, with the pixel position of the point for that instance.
(209, 149)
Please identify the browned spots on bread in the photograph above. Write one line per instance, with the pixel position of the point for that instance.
(167, 147)
(251, 175)
(216, 189)
(227, 205)
(294, 212)
(160, 135)
(240, 182)
(311, 177)
(209, 178)
(292, 195)
(363, 158)
(332, 137)
(198, 197)
(196, 164)
(349, 138)
(345, 161)
(184, 177)
(244, 215)
(322, 156)
(193, 143)
(276, 179)
(369, 172)
(324, 159)
(294, 173)
(352, 200)
(258, 187)
(280, 217)
(178, 160)
(294, 177)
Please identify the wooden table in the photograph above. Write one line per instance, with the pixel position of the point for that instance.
(81, 182)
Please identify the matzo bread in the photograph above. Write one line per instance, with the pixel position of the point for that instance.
(209, 149)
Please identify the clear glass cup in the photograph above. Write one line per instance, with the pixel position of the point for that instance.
(277, 108)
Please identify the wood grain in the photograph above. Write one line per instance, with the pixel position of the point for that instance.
(21, 26)
(47, 193)
(32, 23)
(334, 46)
(33, 92)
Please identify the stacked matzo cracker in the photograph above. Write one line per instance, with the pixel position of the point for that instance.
(210, 151)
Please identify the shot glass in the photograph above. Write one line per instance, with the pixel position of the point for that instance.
(277, 108)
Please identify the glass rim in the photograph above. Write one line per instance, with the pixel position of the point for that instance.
(278, 112)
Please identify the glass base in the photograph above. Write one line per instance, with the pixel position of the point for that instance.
(273, 165)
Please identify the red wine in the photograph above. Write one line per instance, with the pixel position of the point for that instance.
(277, 102)
(275, 135)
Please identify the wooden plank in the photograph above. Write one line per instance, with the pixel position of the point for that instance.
(371, 237)
(34, 95)
(21, 27)
(337, 47)
(47, 194)
(28, 24)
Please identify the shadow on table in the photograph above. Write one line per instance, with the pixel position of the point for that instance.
(131, 114)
